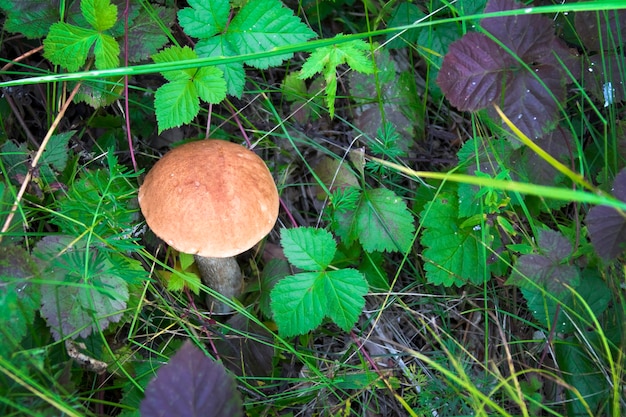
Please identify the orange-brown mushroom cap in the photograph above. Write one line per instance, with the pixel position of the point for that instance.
(211, 198)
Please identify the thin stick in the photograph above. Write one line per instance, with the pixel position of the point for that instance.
(33, 164)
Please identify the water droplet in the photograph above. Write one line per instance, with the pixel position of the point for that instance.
(528, 10)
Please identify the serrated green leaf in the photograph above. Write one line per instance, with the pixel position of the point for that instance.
(210, 84)
(204, 18)
(308, 248)
(453, 255)
(405, 14)
(100, 14)
(274, 270)
(293, 87)
(55, 153)
(345, 290)
(544, 306)
(298, 304)
(381, 222)
(146, 35)
(19, 298)
(582, 372)
(265, 24)
(174, 54)
(100, 205)
(106, 51)
(176, 103)
(32, 18)
(68, 45)
(83, 291)
(233, 73)
(325, 60)
(100, 92)
(177, 281)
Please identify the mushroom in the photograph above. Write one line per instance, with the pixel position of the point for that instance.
(213, 199)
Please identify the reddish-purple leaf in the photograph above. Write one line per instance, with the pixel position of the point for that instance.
(559, 145)
(473, 71)
(601, 30)
(607, 226)
(191, 385)
(528, 82)
(604, 77)
(548, 270)
(528, 99)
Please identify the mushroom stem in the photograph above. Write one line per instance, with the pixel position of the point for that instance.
(224, 276)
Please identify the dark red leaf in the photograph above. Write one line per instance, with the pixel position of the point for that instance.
(528, 82)
(559, 145)
(549, 270)
(527, 99)
(604, 77)
(604, 30)
(191, 385)
(607, 226)
(473, 71)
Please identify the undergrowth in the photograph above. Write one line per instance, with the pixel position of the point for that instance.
(452, 229)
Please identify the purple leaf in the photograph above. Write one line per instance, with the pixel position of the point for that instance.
(527, 101)
(548, 270)
(191, 385)
(604, 77)
(554, 245)
(559, 145)
(607, 226)
(612, 29)
(473, 71)
(528, 82)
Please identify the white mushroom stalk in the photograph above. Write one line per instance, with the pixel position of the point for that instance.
(213, 199)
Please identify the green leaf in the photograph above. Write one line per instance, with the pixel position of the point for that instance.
(19, 298)
(544, 306)
(454, 256)
(100, 205)
(582, 372)
(381, 222)
(210, 84)
(293, 88)
(68, 45)
(178, 280)
(325, 60)
(107, 52)
(83, 292)
(265, 24)
(405, 14)
(274, 270)
(100, 14)
(174, 54)
(176, 103)
(308, 248)
(55, 153)
(204, 18)
(298, 303)
(233, 72)
(146, 35)
(345, 290)
(32, 18)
